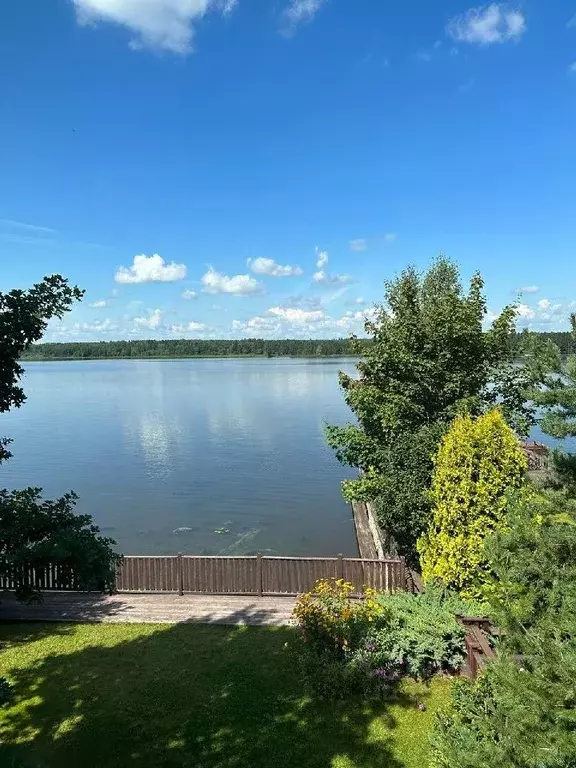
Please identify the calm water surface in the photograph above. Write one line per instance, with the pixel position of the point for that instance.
(163, 453)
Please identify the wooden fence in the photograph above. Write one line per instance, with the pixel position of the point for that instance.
(255, 575)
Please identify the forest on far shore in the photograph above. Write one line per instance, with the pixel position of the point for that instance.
(145, 348)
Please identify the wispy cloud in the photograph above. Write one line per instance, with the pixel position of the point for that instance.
(150, 269)
(389, 237)
(23, 226)
(488, 24)
(323, 277)
(100, 304)
(158, 24)
(529, 289)
(572, 67)
(358, 245)
(187, 294)
(299, 11)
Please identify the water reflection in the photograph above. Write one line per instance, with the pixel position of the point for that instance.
(195, 455)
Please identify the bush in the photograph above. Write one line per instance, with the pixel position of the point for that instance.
(329, 621)
(479, 463)
(521, 712)
(370, 645)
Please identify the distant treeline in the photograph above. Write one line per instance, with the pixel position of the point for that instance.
(564, 340)
(189, 348)
(143, 348)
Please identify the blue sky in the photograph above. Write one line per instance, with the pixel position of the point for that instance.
(260, 167)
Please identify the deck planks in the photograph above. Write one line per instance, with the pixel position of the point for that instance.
(147, 608)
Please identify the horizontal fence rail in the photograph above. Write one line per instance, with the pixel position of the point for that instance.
(252, 575)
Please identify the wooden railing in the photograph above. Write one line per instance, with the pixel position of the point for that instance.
(253, 575)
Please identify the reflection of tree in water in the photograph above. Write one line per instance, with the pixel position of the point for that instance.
(208, 697)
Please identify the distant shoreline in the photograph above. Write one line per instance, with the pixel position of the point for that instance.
(169, 349)
(35, 359)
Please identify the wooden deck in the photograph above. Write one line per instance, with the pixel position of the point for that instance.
(364, 536)
(160, 609)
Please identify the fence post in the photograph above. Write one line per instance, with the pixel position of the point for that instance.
(180, 572)
(341, 566)
(259, 574)
(403, 575)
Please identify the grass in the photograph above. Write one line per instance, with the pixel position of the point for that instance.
(169, 696)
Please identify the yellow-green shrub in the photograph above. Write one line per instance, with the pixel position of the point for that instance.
(478, 464)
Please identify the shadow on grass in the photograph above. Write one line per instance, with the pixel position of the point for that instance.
(180, 695)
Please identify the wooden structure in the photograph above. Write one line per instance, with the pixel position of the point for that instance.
(478, 648)
(537, 456)
(254, 575)
(158, 608)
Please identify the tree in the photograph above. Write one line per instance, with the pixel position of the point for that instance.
(36, 533)
(521, 712)
(24, 316)
(557, 396)
(479, 463)
(428, 361)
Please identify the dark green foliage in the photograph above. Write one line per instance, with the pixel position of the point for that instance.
(5, 691)
(521, 713)
(24, 316)
(400, 636)
(420, 633)
(557, 394)
(429, 360)
(36, 533)
(141, 348)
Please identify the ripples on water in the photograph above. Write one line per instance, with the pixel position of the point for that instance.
(199, 456)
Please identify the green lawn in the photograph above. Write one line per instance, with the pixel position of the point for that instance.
(163, 696)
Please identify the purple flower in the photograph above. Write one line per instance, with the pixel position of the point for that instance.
(381, 673)
(371, 647)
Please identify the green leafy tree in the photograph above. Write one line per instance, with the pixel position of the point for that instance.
(557, 396)
(521, 712)
(36, 533)
(429, 360)
(479, 463)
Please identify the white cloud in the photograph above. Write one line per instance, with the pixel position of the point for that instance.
(263, 266)
(529, 289)
(158, 24)
(296, 315)
(152, 322)
(572, 67)
(189, 294)
(322, 258)
(544, 304)
(488, 24)
(261, 326)
(299, 11)
(360, 300)
(190, 327)
(150, 269)
(389, 237)
(526, 312)
(358, 245)
(325, 278)
(572, 22)
(322, 276)
(99, 304)
(239, 285)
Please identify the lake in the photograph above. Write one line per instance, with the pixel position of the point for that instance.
(203, 456)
